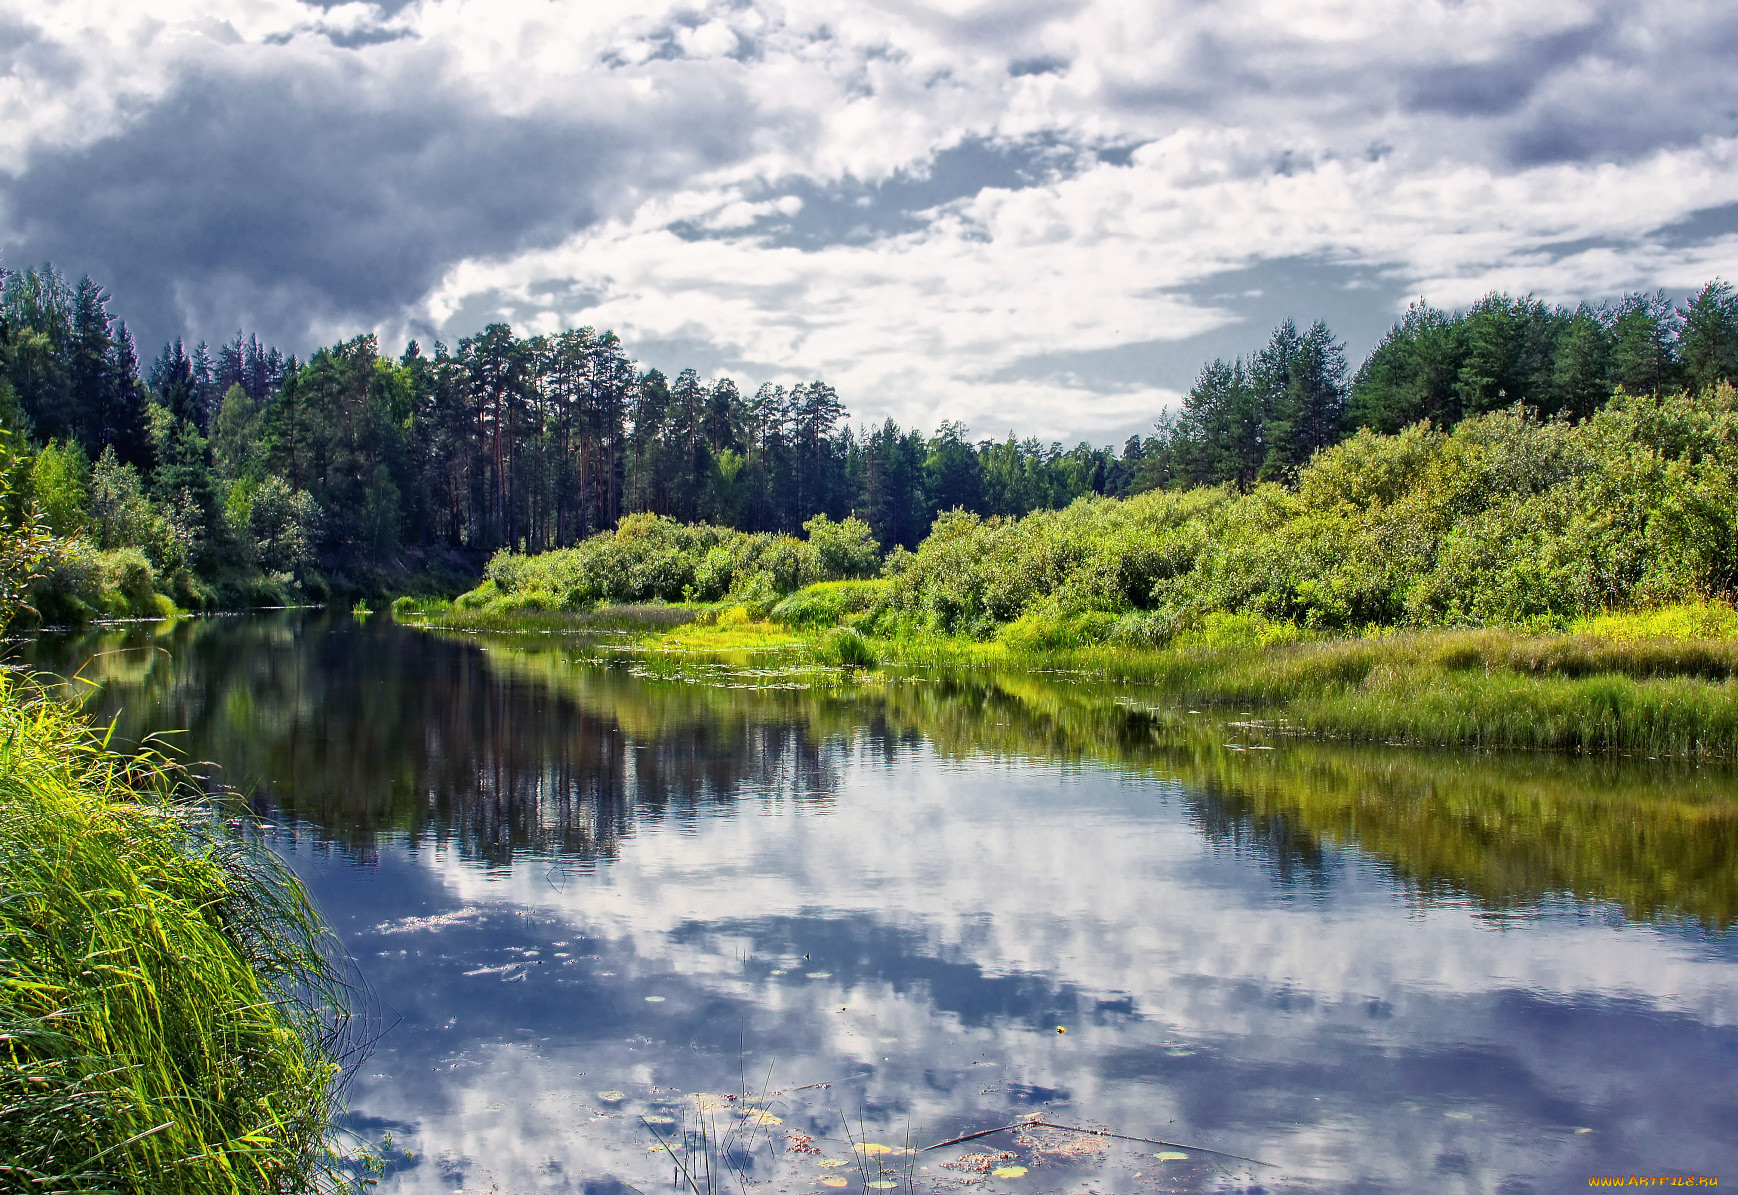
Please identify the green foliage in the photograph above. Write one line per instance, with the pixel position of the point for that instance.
(1506, 520)
(121, 515)
(168, 1003)
(24, 542)
(653, 558)
(79, 582)
(235, 435)
(60, 479)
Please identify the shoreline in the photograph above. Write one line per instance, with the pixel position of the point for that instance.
(1489, 688)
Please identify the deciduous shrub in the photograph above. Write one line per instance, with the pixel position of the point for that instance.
(652, 558)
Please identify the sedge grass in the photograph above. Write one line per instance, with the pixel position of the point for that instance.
(170, 1007)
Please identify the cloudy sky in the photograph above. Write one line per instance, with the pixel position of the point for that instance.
(1032, 214)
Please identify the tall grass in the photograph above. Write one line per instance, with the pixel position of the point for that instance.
(170, 1007)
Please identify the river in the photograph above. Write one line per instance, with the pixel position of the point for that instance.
(791, 926)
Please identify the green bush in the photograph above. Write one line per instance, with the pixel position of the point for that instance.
(650, 558)
(1506, 520)
(480, 597)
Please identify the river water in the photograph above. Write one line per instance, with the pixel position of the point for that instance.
(620, 929)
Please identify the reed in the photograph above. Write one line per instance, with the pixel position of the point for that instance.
(171, 1008)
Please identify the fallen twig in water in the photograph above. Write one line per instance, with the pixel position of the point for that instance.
(1201, 1149)
(1069, 1128)
(974, 1136)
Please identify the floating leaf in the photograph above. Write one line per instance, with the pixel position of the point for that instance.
(661, 1147)
(654, 999)
(834, 1182)
(882, 1184)
(760, 1116)
(1171, 1155)
(1458, 1115)
(658, 1118)
(820, 975)
(1009, 1172)
(779, 971)
(832, 1163)
(612, 1097)
(870, 1149)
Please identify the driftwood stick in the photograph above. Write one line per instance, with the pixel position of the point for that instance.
(1069, 1128)
(973, 1136)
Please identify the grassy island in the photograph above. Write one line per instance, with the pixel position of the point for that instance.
(169, 1007)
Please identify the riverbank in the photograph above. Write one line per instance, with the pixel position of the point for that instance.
(170, 1007)
(1661, 683)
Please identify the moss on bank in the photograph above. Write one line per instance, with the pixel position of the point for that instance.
(169, 1007)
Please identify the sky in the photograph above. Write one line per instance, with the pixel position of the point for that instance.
(1033, 215)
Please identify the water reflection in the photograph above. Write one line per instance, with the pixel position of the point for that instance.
(1381, 970)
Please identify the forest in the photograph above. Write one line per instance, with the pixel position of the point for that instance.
(237, 476)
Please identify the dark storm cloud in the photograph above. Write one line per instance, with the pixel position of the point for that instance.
(1611, 89)
(284, 199)
(1501, 86)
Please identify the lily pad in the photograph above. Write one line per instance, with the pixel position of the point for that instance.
(834, 1182)
(833, 1163)
(882, 1184)
(870, 1149)
(820, 974)
(658, 1118)
(654, 999)
(612, 1097)
(1171, 1155)
(1009, 1172)
(760, 1116)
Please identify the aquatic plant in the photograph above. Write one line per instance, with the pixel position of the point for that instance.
(171, 1008)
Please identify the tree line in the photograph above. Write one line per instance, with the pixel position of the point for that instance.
(225, 465)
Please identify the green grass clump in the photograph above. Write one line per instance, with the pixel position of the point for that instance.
(828, 603)
(846, 647)
(169, 1008)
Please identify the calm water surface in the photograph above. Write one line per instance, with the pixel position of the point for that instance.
(585, 897)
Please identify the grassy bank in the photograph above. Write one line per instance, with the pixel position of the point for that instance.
(1663, 682)
(169, 1010)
